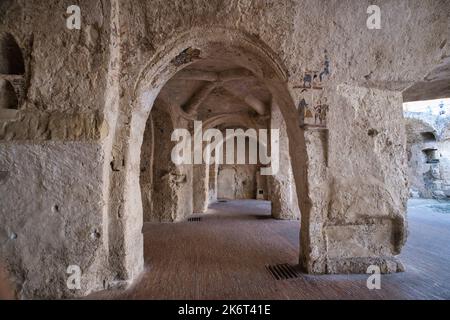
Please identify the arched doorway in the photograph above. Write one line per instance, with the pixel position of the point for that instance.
(125, 236)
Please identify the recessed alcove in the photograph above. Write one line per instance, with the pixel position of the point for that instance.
(428, 136)
(431, 155)
(11, 58)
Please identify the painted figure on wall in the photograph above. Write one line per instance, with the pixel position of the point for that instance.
(302, 106)
(309, 79)
(326, 68)
(314, 115)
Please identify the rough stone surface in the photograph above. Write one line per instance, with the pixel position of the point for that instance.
(367, 198)
(237, 181)
(282, 191)
(428, 152)
(75, 139)
(42, 235)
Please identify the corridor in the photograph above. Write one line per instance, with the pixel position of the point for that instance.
(224, 256)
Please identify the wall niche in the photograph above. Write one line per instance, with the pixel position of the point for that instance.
(431, 155)
(12, 77)
(428, 136)
(11, 58)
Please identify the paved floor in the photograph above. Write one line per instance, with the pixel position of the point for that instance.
(224, 257)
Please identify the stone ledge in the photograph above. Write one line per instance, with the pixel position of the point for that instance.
(54, 126)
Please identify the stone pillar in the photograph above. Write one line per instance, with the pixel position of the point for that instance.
(200, 183)
(184, 191)
(213, 171)
(281, 186)
(365, 221)
(312, 245)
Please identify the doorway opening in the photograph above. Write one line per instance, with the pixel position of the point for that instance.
(222, 79)
(428, 148)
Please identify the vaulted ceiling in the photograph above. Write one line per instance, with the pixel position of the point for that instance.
(212, 88)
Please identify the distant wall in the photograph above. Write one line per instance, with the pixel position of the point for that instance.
(237, 181)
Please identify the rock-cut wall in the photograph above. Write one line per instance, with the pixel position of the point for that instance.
(71, 139)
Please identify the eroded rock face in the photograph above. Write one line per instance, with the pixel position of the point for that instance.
(70, 154)
(428, 155)
(48, 225)
(52, 195)
(367, 197)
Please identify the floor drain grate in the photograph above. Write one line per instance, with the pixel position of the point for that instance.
(263, 217)
(196, 219)
(283, 271)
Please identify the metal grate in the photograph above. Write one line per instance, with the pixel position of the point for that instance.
(195, 219)
(282, 271)
(265, 217)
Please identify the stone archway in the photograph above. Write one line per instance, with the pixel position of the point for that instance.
(125, 236)
(209, 190)
(247, 175)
